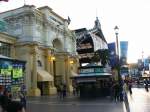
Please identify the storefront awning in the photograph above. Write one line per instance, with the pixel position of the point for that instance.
(95, 74)
(44, 76)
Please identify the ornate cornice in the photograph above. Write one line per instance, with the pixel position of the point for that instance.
(7, 38)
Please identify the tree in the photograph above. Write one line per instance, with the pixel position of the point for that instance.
(101, 55)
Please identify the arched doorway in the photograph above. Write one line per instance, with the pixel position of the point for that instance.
(58, 48)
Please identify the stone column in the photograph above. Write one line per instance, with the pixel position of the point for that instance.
(13, 51)
(34, 90)
(47, 60)
(51, 87)
(67, 74)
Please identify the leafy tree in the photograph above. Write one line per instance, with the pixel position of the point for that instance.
(102, 56)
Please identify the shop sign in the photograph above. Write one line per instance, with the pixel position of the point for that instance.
(88, 70)
(86, 80)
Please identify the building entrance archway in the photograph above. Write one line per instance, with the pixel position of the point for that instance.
(58, 48)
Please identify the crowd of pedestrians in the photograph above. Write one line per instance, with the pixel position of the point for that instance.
(61, 91)
(119, 90)
(115, 91)
(9, 104)
(76, 90)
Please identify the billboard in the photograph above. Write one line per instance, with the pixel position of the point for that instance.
(146, 63)
(112, 54)
(123, 52)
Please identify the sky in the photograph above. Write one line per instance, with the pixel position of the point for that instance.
(131, 16)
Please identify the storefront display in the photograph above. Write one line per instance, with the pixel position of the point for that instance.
(12, 75)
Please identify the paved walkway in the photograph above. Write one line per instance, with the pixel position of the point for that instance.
(139, 101)
(72, 104)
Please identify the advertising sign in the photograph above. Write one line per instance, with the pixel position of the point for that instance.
(123, 52)
(112, 54)
(11, 74)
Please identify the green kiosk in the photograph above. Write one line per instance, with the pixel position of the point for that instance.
(93, 81)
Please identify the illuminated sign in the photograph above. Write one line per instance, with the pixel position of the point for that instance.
(17, 72)
(88, 70)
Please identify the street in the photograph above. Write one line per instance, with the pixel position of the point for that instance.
(139, 101)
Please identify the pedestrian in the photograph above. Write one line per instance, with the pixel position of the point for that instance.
(74, 90)
(130, 87)
(61, 91)
(78, 90)
(1, 90)
(64, 91)
(1, 93)
(116, 91)
(111, 91)
(146, 85)
(58, 91)
(138, 83)
(125, 92)
(23, 99)
(5, 100)
(121, 90)
(15, 106)
(24, 89)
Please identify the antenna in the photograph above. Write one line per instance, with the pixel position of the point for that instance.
(24, 2)
(96, 13)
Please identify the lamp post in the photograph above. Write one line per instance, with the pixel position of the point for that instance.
(117, 53)
(118, 62)
(117, 44)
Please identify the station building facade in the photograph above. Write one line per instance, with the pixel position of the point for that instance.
(42, 38)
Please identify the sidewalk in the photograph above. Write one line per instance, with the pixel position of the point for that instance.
(139, 101)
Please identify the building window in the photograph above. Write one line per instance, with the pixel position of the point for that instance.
(39, 63)
(5, 49)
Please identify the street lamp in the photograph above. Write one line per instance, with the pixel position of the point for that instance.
(117, 44)
(117, 53)
(118, 61)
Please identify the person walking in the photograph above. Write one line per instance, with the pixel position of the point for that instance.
(125, 96)
(130, 87)
(146, 85)
(78, 90)
(64, 91)
(74, 90)
(23, 99)
(116, 91)
(112, 90)
(15, 106)
(58, 91)
(61, 91)
(5, 100)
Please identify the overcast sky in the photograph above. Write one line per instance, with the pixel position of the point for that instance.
(131, 16)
